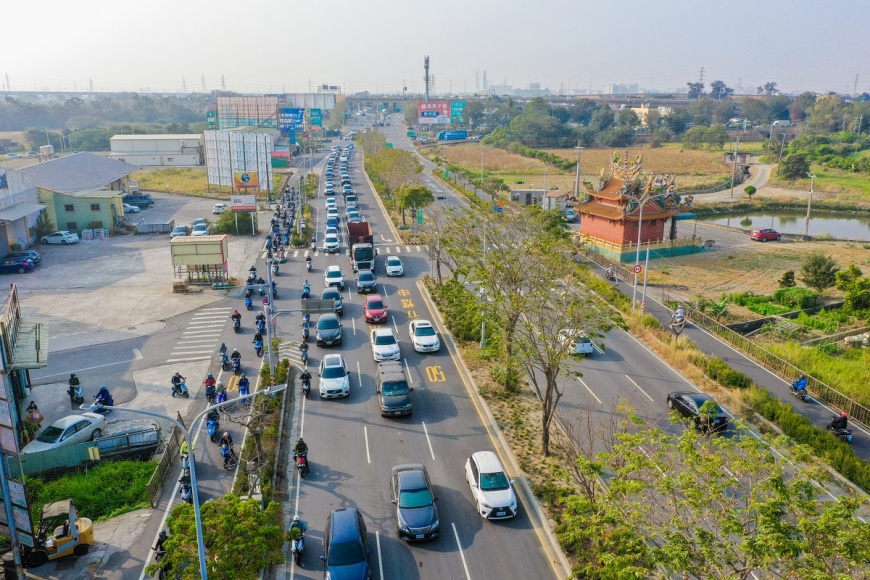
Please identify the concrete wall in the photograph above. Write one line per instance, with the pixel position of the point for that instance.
(154, 160)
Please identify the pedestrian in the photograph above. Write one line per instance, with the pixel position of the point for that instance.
(34, 414)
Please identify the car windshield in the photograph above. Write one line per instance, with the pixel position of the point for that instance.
(383, 339)
(346, 553)
(415, 498)
(394, 262)
(179, 230)
(200, 227)
(331, 295)
(395, 389)
(494, 481)
(424, 331)
(327, 324)
(334, 274)
(50, 435)
(366, 277)
(375, 305)
(333, 373)
(331, 239)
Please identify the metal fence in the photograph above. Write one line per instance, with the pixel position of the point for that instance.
(170, 452)
(857, 412)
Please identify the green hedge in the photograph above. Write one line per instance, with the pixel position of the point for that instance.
(719, 371)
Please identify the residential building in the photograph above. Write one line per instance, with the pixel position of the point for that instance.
(19, 209)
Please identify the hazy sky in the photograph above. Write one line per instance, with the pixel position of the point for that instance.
(267, 46)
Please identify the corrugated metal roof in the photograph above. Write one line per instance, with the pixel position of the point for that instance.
(31, 345)
(81, 171)
(16, 212)
(167, 137)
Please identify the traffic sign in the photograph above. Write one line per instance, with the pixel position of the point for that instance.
(638, 269)
(429, 113)
(419, 216)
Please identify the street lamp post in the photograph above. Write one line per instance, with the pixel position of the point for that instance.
(197, 518)
(579, 150)
(642, 200)
(809, 205)
(734, 168)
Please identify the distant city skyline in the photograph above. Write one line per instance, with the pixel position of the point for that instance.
(378, 46)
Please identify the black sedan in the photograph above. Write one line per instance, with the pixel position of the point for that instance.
(701, 408)
(416, 514)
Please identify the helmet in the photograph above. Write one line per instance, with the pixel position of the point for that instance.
(843, 414)
(243, 376)
(210, 376)
(72, 375)
(104, 388)
(295, 518)
(163, 534)
(300, 440)
(220, 383)
(226, 434)
(235, 350)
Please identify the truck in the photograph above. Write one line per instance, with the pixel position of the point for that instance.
(455, 135)
(361, 243)
(781, 123)
(140, 200)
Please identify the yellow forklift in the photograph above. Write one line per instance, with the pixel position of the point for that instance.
(61, 533)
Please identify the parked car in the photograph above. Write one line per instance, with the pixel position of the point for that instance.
(179, 231)
(345, 546)
(198, 221)
(762, 235)
(67, 431)
(32, 154)
(366, 282)
(328, 330)
(492, 490)
(374, 308)
(13, 156)
(394, 266)
(62, 237)
(333, 277)
(423, 336)
(691, 405)
(334, 378)
(416, 514)
(219, 208)
(384, 345)
(31, 255)
(201, 230)
(131, 208)
(16, 265)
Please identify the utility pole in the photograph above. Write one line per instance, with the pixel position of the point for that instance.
(809, 205)
(577, 176)
(426, 76)
(734, 159)
(781, 147)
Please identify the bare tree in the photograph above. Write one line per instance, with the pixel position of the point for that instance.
(439, 224)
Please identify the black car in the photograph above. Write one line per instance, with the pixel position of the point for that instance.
(416, 514)
(328, 330)
(366, 282)
(332, 293)
(31, 255)
(691, 405)
(345, 546)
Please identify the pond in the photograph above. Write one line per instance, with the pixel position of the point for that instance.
(840, 226)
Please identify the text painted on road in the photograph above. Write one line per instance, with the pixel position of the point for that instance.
(435, 374)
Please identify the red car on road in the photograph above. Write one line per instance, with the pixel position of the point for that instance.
(374, 308)
(764, 234)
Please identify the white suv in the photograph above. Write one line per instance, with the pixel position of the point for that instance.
(492, 490)
(333, 277)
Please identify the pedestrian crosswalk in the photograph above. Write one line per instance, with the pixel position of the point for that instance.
(201, 338)
(388, 249)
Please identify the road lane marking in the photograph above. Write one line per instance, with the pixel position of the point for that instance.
(639, 387)
(353, 323)
(198, 341)
(359, 374)
(380, 559)
(461, 553)
(173, 360)
(590, 390)
(188, 350)
(366, 435)
(200, 332)
(429, 441)
(136, 354)
(396, 327)
(408, 374)
(200, 324)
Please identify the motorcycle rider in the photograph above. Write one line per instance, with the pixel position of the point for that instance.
(611, 272)
(679, 315)
(73, 383)
(308, 262)
(236, 356)
(237, 318)
(305, 376)
(261, 316)
(840, 422)
(210, 387)
(244, 384)
(301, 448)
(800, 384)
(220, 391)
(258, 336)
(226, 439)
(176, 380)
(104, 398)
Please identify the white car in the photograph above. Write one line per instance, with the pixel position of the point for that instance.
(61, 237)
(330, 202)
(492, 490)
(68, 431)
(219, 208)
(331, 231)
(384, 345)
(423, 336)
(394, 266)
(200, 230)
(334, 378)
(331, 212)
(131, 208)
(580, 342)
(331, 244)
(353, 217)
(333, 277)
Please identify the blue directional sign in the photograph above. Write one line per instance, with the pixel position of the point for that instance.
(429, 113)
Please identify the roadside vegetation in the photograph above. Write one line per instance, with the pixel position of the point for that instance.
(184, 180)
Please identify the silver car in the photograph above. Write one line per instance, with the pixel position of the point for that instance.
(70, 430)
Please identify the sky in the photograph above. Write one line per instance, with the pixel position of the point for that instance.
(273, 46)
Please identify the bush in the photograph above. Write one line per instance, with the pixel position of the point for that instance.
(796, 298)
(719, 371)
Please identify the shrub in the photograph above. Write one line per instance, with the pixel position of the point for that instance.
(787, 280)
(719, 371)
(796, 298)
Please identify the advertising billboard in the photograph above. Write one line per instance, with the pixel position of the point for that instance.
(290, 118)
(315, 117)
(243, 202)
(433, 112)
(456, 111)
(211, 117)
(246, 180)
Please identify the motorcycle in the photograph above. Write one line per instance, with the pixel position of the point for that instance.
(237, 366)
(243, 393)
(186, 489)
(274, 267)
(180, 389)
(308, 265)
(306, 293)
(258, 346)
(305, 334)
(220, 397)
(840, 433)
(225, 361)
(76, 396)
(261, 325)
(303, 350)
(297, 545)
(229, 456)
(302, 464)
(210, 393)
(159, 552)
(249, 303)
(799, 393)
(306, 387)
(99, 406)
(262, 289)
(213, 424)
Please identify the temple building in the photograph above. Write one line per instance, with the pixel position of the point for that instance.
(626, 200)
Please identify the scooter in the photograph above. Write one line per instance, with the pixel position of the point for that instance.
(258, 346)
(159, 552)
(186, 489)
(306, 292)
(274, 267)
(308, 265)
(249, 303)
(305, 334)
(262, 289)
(213, 424)
(297, 546)
(243, 393)
(210, 394)
(237, 366)
(180, 389)
(229, 456)
(237, 325)
(99, 407)
(306, 387)
(220, 397)
(261, 324)
(225, 361)
(841, 434)
(76, 396)
(302, 464)
(799, 393)
(303, 350)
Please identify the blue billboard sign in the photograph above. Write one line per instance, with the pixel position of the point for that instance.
(290, 118)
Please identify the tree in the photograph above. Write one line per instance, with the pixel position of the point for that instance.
(413, 197)
(768, 89)
(677, 120)
(627, 118)
(602, 118)
(719, 308)
(242, 539)
(702, 110)
(436, 230)
(719, 90)
(819, 271)
(787, 280)
(800, 106)
(653, 119)
(795, 165)
(756, 111)
(855, 287)
(696, 90)
(474, 115)
(750, 191)
(616, 136)
(581, 111)
(826, 114)
(661, 135)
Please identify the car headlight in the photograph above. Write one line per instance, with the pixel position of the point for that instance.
(486, 505)
(435, 525)
(404, 528)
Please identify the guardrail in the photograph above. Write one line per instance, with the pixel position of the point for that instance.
(170, 452)
(857, 412)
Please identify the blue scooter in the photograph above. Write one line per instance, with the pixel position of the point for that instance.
(258, 346)
(213, 424)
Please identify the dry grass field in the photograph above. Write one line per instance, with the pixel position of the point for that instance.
(174, 180)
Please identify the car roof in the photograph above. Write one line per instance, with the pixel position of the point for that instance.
(393, 259)
(328, 316)
(345, 525)
(383, 332)
(332, 360)
(487, 461)
(371, 297)
(333, 268)
(699, 398)
(411, 475)
(422, 323)
(72, 419)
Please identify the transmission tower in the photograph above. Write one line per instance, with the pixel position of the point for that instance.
(223, 83)
(91, 85)
(701, 78)
(8, 86)
(855, 88)
(426, 77)
(183, 84)
(203, 83)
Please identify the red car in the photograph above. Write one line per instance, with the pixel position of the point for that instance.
(374, 308)
(764, 235)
